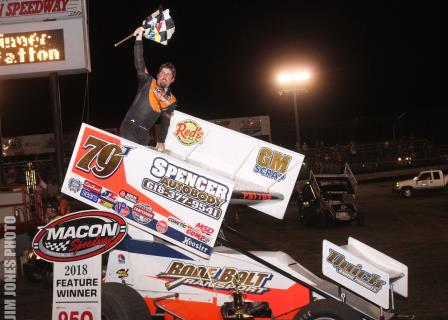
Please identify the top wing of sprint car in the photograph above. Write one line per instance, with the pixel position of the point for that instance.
(186, 188)
(175, 202)
(264, 174)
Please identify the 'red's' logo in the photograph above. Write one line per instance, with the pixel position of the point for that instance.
(188, 132)
(79, 235)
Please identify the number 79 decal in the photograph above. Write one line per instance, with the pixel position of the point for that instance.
(108, 157)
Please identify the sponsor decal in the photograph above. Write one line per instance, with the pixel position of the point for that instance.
(121, 208)
(89, 195)
(102, 158)
(198, 234)
(142, 213)
(257, 196)
(196, 245)
(188, 132)
(356, 273)
(186, 188)
(272, 164)
(178, 223)
(215, 278)
(122, 274)
(74, 185)
(128, 196)
(204, 228)
(109, 196)
(92, 186)
(161, 226)
(121, 258)
(108, 199)
(79, 235)
(106, 204)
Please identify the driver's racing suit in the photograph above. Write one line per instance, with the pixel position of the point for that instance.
(149, 104)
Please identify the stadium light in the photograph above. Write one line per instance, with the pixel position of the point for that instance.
(294, 82)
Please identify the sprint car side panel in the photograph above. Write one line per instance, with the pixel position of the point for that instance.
(156, 269)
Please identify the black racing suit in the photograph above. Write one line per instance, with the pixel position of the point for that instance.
(149, 104)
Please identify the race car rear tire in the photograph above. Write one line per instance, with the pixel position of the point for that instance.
(120, 302)
(327, 310)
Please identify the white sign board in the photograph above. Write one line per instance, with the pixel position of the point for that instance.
(14, 11)
(257, 126)
(77, 289)
(34, 45)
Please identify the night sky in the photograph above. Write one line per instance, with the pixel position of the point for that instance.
(371, 61)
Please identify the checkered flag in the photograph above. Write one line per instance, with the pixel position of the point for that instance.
(159, 26)
(57, 246)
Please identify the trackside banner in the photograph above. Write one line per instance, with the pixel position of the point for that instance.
(157, 193)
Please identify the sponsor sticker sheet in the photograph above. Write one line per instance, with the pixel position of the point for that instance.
(162, 195)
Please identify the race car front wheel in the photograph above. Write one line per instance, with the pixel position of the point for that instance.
(327, 310)
(120, 302)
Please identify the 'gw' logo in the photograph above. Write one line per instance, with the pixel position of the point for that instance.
(272, 164)
(103, 159)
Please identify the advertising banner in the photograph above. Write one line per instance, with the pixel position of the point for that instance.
(153, 191)
(14, 11)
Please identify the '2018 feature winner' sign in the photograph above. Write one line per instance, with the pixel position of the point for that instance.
(154, 192)
(77, 290)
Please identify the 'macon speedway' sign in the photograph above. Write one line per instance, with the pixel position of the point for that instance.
(79, 235)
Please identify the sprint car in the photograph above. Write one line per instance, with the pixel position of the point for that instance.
(175, 264)
(150, 278)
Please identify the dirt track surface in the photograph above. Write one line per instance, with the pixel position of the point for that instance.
(412, 231)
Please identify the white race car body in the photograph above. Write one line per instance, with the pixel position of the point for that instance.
(157, 269)
(175, 202)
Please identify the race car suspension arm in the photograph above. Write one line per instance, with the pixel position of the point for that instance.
(174, 295)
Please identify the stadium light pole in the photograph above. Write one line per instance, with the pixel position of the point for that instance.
(294, 82)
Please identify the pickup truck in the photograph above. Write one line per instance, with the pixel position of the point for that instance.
(427, 180)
